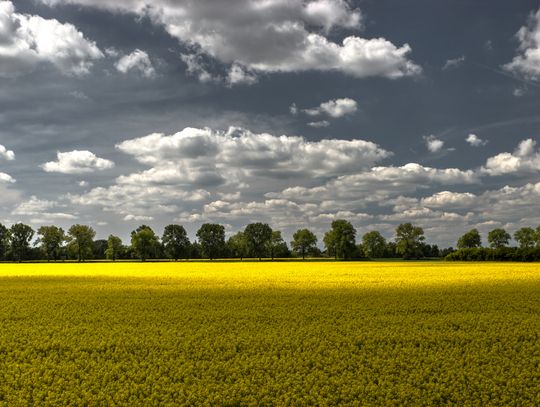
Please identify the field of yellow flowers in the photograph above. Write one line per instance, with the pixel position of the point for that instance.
(284, 333)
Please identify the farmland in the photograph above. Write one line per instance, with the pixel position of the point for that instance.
(291, 333)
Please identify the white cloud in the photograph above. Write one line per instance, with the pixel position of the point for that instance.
(27, 40)
(334, 108)
(475, 141)
(446, 199)
(239, 75)
(140, 218)
(40, 210)
(433, 144)
(293, 109)
(273, 35)
(6, 178)
(319, 124)
(525, 159)
(454, 63)
(527, 62)
(77, 162)
(136, 61)
(239, 152)
(6, 154)
(196, 67)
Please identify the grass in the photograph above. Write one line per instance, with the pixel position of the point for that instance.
(365, 333)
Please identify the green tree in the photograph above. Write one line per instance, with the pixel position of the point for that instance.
(276, 245)
(340, 240)
(537, 237)
(470, 240)
(81, 239)
(373, 244)
(51, 240)
(114, 247)
(257, 236)
(175, 242)
(525, 237)
(4, 241)
(303, 242)
(212, 239)
(498, 238)
(21, 235)
(144, 242)
(409, 240)
(237, 245)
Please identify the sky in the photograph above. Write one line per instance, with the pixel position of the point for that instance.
(290, 112)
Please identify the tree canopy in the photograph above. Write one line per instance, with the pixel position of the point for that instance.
(303, 241)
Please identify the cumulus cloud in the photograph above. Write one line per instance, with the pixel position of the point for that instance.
(41, 210)
(319, 124)
(6, 178)
(273, 35)
(433, 144)
(138, 61)
(197, 67)
(239, 75)
(6, 154)
(334, 108)
(525, 159)
(475, 141)
(77, 162)
(527, 62)
(453, 63)
(27, 40)
(237, 151)
(446, 199)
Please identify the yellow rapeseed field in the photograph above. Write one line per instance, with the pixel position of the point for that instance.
(283, 333)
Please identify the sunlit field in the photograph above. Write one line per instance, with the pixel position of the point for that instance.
(290, 333)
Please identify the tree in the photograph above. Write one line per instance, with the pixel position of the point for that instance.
(498, 238)
(20, 235)
(237, 245)
(276, 245)
(257, 236)
(99, 249)
(4, 241)
(175, 242)
(212, 239)
(373, 244)
(114, 247)
(81, 238)
(525, 237)
(144, 242)
(470, 240)
(303, 241)
(537, 237)
(408, 240)
(51, 240)
(340, 240)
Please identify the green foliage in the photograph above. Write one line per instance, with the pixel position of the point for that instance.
(114, 247)
(373, 244)
(237, 245)
(81, 238)
(408, 240)
(175, 242)
(303, 242)
(212, 239)
(51, 239)
(498, 254)
(277, 246)
(258, 236)
(144, 242)
(498, 238)
(470, 240)
(340, 240)
(4, 241)
(21, 235)
(525, 237)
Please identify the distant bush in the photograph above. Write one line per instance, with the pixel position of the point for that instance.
(498, 254)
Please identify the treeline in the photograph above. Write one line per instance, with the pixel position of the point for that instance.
(470, 246)
(258, 240)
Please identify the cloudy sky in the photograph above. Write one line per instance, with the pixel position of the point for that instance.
(291, 112)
